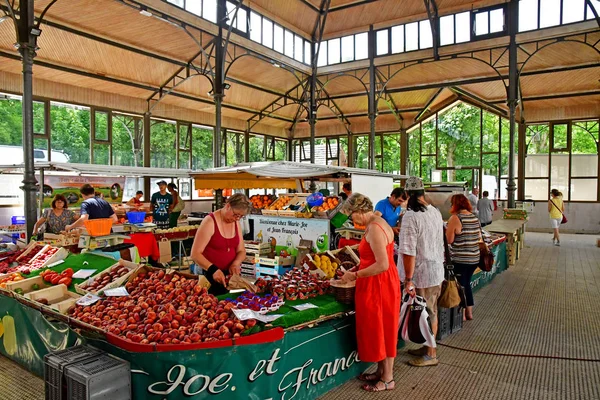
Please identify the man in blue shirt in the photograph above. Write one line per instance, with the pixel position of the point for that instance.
(92, 207)
(390, 208)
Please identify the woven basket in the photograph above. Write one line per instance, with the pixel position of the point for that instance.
(343, 292)
(98, 227)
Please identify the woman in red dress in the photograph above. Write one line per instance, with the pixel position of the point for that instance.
(377, 298)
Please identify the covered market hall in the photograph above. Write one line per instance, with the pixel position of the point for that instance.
(190, 188)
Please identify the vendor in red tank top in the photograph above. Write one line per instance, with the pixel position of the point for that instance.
(219, 246)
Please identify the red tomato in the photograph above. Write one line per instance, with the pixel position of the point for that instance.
(66, 281)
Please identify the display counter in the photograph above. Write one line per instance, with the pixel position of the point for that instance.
(514, 230)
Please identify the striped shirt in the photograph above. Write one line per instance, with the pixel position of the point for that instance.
(465, 249)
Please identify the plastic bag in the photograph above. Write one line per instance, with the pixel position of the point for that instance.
(415, 325)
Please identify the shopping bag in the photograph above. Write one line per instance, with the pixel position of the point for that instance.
(164, 247)
(237, 282)
(450, 293)
(415, 325)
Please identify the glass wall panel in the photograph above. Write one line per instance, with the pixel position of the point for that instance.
(414, 155)
(398, 39)
(584, 189)
(202, 147)
(162, 144)
(391, 154)
(459, 131)
(559, 173)
(361, 42)
(128, 140)
(491, 132)
(101, 154)
(71, 132)
(536, 189)
(412, 36)
(538, 147)
(101, 125)
(257, 148)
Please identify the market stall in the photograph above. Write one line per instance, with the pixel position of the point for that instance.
(513, 227)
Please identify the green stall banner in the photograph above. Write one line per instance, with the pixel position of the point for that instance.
(28, 335)
(303, 365)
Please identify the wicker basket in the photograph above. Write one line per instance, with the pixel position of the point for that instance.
(343, 292)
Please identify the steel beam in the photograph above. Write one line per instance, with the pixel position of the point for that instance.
(273, 106)
(591, 7)
(428, 104)
(372, 97)
(350, 5)
(463, 93)
(310, 5)
(513, 97)
(432, 15)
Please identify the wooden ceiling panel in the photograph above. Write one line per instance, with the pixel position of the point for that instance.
(290, 111)
(412, 99)
(295, 13)
(561, 82)
(116, 21)
(579, 101)
(342, 84)
(352, 105)
(261, 73)
(488, 90)
(564, 54)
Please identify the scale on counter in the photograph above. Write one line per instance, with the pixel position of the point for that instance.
(100, 242)
(143, 227)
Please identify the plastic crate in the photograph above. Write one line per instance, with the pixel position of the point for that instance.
(136, 217)
(55, 364)
(457, 319)
(444, 323)
(98, 227)
(102, 377)
(18, 220)
(266, 270)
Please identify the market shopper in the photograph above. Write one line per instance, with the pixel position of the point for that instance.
(92, 207)
(556, 207)
(464, 234)
(377, 298)
(485, 207)
(177, 206)
(56, 218)
(391, 207)
(474, 199)
(161, 204)
(421, 246)
(136, 201)
(219, 246)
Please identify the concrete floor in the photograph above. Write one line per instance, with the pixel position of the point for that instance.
(546, 305)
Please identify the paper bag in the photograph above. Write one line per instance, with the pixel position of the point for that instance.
(237, 282)
(164, 247)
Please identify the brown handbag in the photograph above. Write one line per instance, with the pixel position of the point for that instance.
(450, 294)
(486, 257)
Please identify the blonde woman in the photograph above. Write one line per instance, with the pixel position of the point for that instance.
(556, 207)
(377, 299)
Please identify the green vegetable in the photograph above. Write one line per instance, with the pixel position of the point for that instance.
(35, 286)
(19, 291)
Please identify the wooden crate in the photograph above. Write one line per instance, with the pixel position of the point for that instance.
(276, 261)
(132, 267)
(59, 298)
(30, 248)
(26, 284)
(61, 240)
(270, 270)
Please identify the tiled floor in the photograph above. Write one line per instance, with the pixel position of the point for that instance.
(546, 305)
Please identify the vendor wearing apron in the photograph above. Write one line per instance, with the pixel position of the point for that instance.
(219, 246)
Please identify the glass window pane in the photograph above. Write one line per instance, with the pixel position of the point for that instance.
(361, 152)
(412, 36)
(446, 30)
(322, 56)
(235, 148)
(536, 189)
(425, 34)
(184, 137)
(560, 136)
(280, 150)
(162, 143)
(289, 44)
(202, 147)
(490, 169)
(391, 154)
(459, 133)
(255, 27)
(39, 117)
(428, 137)
(584, 158)
(361, 46)
(398, 39)
(241, 20)
(347, 48)
(382, 42)
(584, 189)
(127, 140)
(298, 48)
(101, 125)
(257, 145)
(101, 153)
(589, 12)
(528, 15)
(463, 27)
(209, 10)
(481, 23)
(333, 47)
(230, 8)
(538, 146)
(278, 38)
(267, 33)
(427, 168)
(559, 173)
(70, 132)
(195, 7)
(414, 152)
(573, 11)
(307, 52)
(178, 3)
(491, 132)
(497, 20)
(549, 13)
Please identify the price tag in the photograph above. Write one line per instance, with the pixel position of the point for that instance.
(116, 292)
(84, 273)
(267, 318)
(244, 314)
(54, 264)
(305, 306)
(87, 300)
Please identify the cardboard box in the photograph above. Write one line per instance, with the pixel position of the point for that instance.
(276, 261)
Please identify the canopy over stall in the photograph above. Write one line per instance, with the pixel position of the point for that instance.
(104, 170)
(277, 175)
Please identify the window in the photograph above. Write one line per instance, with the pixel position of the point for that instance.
(446, 30)
(163, 136)
(333, 46)
(497, 20)
(481, 23)
(584, 161)
(289, 44)
(280, 150)
(70, 131)
(361, 43)
(307, 53)
(412, 36)
(463, 27)
(278, 38)
(528, 15)
(267, 33)
(235, 148)
(202, 147)
(255, 27)
(322, 56)
(195, 7)
(128, 140)
(178, 3)
(552, 13)
(391, 154)
(185, 137)
(209, 10)
(101, 125)
(241, 19)
(573, 11)
(398, 39)
(298, 48)
(257, 148)
(589, 14)
(425, 34)
(347, 48)
(549, 13)
(382, 42)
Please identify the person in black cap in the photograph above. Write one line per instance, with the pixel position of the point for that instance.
(161, 203)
